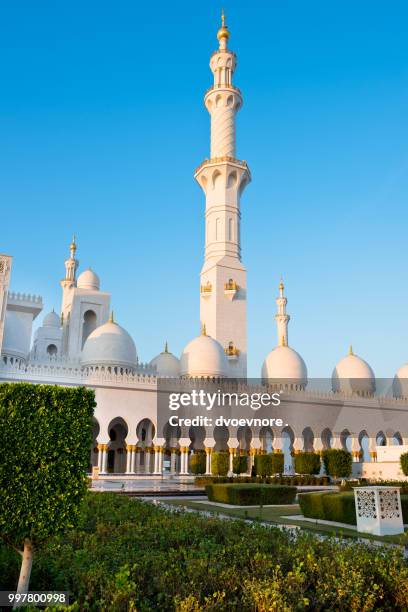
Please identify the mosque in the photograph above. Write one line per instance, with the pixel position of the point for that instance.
(85, 345)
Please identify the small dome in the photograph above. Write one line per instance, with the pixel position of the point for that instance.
(167, 364)
(204, 357)
(109, 345)
(284, 365)
(88, 280)
(400, 383)
(353, 374)
(51, 320)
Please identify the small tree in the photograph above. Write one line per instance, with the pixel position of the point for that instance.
(240, 464)
(45, 437)
(307, 463)
(198, 462)
(219, 463)
(404, 463)
(337, 462)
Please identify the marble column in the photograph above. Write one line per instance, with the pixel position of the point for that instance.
(208, 451)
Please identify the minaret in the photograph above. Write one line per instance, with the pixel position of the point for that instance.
(282, 318)
(69, 282)
(5, 271)
(223, 179)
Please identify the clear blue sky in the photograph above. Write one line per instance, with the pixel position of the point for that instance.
(102, 124)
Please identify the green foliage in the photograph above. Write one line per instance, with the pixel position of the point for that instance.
(338, 507)
(307, 463)
(198, 463)
(130, 555)
(219, 463)
(250, 494)
(271, 463)
(349, 485)
(240, 464)
(337, 462)
(45, 441)
(404, 463)
(201, 481)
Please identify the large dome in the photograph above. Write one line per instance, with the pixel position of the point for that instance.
(400, 383)
(109, 345)
(51, 320)
(166, 364)
(88, 280)
(284, 365)
(353, 375)
(204, 357)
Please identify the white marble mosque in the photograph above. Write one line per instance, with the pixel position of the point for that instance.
(84, 345)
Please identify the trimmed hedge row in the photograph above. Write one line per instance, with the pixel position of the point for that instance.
(219, 463)
(240, 464)
(404, 463)
(198, 463)
(300, 480)
(337, 507)
(365, 482)
(337, 462)
(250, 494)
(271, 463)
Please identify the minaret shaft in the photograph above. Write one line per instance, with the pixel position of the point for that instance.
(223, 179)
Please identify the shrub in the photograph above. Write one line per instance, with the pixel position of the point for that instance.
(272, 463)
(45, 439)
(337, 462)
(127, 554)
(299, 480)
(198, 463)
(307, 463)
(338, 507)
(240, 464)
(404, 463)
(250, 494)
(219, 463)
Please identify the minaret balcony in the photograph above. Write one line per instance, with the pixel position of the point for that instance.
(231, 352)
(206, 290)
(231, 289)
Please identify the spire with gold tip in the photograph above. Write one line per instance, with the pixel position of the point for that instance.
(223, 33)
(73, 247)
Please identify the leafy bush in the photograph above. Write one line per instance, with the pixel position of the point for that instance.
(219, 463)
(299, 480)
(240, 464)
(337, 462)
(250, 494)
(271, 463)
(45, 440)
(307, 463)
(338, 507)
(349, 485)
(198, 462)
(404, 463)
(131, 555)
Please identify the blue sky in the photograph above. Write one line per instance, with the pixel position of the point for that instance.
(102, 124)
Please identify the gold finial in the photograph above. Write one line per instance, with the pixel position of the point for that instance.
(351, 350)
(72, 246)
(283, 341)
(203, 330)
(166, 347)
(223, 33)
(111, 319)
(281, 285)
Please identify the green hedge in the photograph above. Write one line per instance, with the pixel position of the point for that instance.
(307, 463)
(299, 480)
(219, 463)
(349, 485)
(338, 507)
(240, 464)
(271, 463)
(404, 463)
(127, 554)
(250, 494)
(198, 462)
(337, 462)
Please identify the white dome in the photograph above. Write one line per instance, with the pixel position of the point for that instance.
(88, 280)
(109, 345)
(51, 320)
(167, 364)
(284, 364)
(203, 357)
(400, 383)
(353, 374)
